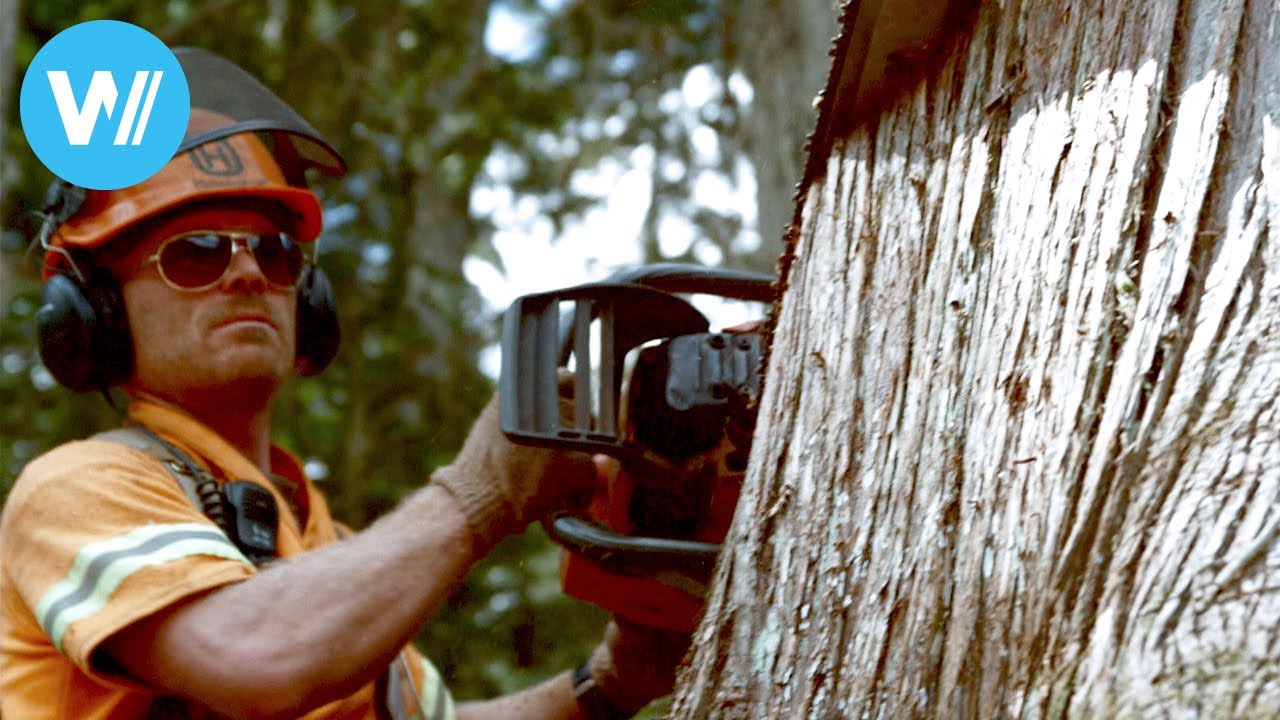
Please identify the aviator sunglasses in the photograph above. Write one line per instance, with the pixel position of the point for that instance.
(198, 260)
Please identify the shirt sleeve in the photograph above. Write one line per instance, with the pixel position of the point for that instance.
(97, 536)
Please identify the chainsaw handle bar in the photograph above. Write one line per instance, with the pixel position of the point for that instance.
(633, 307)
(694, 279)
(531, 378)
(632, 555)
(686, 278)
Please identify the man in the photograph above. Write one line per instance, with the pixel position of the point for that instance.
(196, 572)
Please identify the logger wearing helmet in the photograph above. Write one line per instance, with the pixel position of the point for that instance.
(184, 566)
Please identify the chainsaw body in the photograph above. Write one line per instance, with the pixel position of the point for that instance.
(671, 406)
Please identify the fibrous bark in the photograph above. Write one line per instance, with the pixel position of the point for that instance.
(1019, 448)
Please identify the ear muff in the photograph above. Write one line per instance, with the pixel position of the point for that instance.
(85, 341)
(84, 334)
(317, 322)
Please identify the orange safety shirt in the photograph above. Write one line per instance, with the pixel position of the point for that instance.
(97, 535)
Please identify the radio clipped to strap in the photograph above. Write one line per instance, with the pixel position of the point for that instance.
(243, 510)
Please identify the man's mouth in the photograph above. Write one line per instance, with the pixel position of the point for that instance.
(255, 318)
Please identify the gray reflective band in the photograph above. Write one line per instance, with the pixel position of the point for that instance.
(99, 568)
(442, 695)
(442, 706)
(406, 702)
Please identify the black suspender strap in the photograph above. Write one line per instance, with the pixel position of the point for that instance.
(190, 476)
(245, 512)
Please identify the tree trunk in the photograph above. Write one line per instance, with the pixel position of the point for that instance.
(9, 80)
(1025, 372)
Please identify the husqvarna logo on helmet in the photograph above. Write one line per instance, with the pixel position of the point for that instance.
(217, 158)
(104, 104)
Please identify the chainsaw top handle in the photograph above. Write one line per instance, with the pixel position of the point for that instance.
(542, 331)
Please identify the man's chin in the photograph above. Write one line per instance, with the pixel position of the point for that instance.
(262, 370)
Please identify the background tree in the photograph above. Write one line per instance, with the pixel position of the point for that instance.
(8, 80)
(1026, 371)
(781, 47)
(426, 114)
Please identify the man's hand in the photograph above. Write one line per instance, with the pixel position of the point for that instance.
(502, 487)
(634, 665)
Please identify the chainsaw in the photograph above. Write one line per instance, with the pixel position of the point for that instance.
(669, 402)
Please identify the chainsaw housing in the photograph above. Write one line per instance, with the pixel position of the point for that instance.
(672, 405)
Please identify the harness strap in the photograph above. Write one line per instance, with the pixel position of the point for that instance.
(139, 439)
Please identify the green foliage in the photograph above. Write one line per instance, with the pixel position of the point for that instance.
(410, 96)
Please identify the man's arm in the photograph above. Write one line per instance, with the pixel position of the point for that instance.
(632, 666)
(550, 700)
(316, 627)
(309, 629)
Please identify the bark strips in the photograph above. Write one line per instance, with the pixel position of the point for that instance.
(1019, 451)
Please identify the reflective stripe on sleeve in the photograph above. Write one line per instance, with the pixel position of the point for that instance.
(409, 700)
(435, 702)
(100, 567)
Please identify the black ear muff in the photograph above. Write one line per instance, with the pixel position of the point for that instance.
(66, 323)
(84, 334)
(85, 341)
(318, 330)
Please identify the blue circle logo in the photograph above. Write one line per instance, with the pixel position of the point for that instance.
(104, 104)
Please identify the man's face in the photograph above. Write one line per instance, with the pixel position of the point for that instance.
(235, 337)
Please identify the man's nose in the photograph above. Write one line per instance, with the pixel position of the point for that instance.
(244, 269)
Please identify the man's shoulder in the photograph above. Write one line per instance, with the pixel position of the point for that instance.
(71, 459)
(76, 470)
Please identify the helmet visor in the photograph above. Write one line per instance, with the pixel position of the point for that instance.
(246, 105)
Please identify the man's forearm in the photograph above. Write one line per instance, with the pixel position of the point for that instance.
(551, 700)
(312, 628)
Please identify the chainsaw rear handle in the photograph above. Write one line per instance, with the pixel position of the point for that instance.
(632, 555)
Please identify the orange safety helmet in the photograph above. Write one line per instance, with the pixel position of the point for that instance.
(235, 166)
(222, 156)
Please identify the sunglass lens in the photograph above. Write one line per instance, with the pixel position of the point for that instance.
(279, 257)
(195, 260)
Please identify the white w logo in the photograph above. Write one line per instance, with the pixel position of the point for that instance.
(80, 121)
